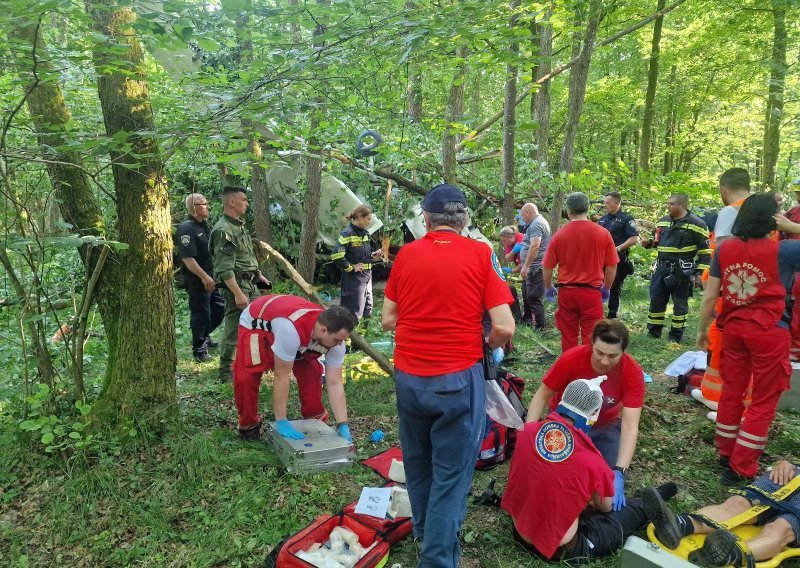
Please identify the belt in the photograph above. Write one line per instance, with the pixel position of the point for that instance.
(577, 285)
(250, 275)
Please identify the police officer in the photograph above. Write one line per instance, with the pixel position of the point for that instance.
(681, 239)
(236, 270)
(206, 305)
(354, 256)
(625, 233)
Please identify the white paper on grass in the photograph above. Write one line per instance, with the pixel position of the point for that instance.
(374, 501)
(500, 409)
(686, 362)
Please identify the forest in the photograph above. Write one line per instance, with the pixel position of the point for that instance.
(116, 448)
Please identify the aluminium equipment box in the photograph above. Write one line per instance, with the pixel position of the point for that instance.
(790, 399)
(322, 449)
(639, 553)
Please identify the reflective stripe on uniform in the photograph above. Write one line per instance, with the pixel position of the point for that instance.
(296, 315)
(752, 436)
(337, 255)
(697, 229)
(747, 444)
(255, 353)
(267, 303)
(728, 427)
(726, 434)
(678, 250)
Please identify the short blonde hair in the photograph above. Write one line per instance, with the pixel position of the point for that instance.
(508, 231)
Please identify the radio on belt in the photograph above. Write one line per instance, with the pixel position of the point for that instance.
(322, 449)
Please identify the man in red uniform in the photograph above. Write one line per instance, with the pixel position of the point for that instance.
(617, 428)
(587, 264)
(288, 334)
(556, 472)
(746, 273)
(437, 293)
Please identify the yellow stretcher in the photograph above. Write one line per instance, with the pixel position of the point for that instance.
(740, 527)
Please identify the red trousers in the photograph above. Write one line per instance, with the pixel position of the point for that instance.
(578, 310)
(763, 354)
(795, 347)
(254, 357)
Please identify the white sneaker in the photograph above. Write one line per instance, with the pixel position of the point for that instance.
(697, 394)
(712, 416)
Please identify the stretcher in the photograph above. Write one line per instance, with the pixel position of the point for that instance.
(740, 527)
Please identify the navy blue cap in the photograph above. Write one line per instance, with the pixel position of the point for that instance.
(436, 198)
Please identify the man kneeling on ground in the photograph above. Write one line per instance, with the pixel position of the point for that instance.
(556, 472)
(721, 547)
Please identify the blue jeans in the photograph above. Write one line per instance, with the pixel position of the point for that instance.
(442, 419)
(606, 440)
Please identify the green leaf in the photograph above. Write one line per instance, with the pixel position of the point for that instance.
(47, 438)
(75, 435)
(207, 44)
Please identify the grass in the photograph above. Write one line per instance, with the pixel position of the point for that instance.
(199, 497)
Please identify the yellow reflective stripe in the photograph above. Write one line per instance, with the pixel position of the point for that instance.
(655, 321)
(678, 250)
(705, 251)
(349, 268)
(697, 229)
(711, 385)
(678, 325)
(664, 224)
(702, 266)
(353, 239)
(679, 317)
(337, 255)
(657, 314)
(343, 240)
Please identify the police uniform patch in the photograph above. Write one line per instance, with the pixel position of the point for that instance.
(632, 223)
(554, 442)
(496, 266)
(185, 240)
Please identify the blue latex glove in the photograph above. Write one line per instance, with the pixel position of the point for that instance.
(344, 432)
(550, 294)
(618, 502)
(498, 355)
(507, 269)
(605, 294)
(516, 248)
(285, 429)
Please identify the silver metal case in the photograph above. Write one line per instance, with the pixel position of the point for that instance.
(639, 553)
(322, 449)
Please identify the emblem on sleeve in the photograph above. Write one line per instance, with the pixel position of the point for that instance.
(554, 442)
(185, 240)
(496, 267)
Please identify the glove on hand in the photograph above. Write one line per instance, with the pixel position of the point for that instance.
(507, 270)
(498, 355)
(550, 294)
(618, 502)
(516, 248)
(344, 432)
(286, 430)
(605, 294)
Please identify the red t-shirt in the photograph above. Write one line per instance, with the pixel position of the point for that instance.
(581, 250)
(518, 238)
(554, 473)
(624, 386)
(442, 284)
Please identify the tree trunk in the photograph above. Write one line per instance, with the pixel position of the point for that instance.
(141, 334)
(650, 97)
(308, 232)
(774, 112)
(453, 114)
(669, 131)
(541, 105)
(582, 48)
(414, 87)
(507, 182)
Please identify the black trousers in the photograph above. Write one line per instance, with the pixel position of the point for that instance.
(599, 534)
(624, 269)
(206, 310)
(526, 307)
(668, 283)
(534, 293)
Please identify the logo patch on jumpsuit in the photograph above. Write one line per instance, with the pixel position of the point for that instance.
(496, 266)
(554, 442)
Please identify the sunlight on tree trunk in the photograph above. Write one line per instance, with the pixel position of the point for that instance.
(650, 97)
(774, 111)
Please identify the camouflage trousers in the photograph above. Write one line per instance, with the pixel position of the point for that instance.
(227, 345)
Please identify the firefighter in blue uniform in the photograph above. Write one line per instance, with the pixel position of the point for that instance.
(681, 239)
(625, 233)
(353, 254)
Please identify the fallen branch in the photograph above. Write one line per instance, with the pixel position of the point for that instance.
(382, 171)
(309, 290)
(658, 414)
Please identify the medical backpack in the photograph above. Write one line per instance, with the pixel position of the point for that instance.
(498, 440)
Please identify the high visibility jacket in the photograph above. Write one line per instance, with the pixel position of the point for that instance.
(683, 239)
(353, 247)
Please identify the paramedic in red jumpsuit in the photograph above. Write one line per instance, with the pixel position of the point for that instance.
(750, 273)
(288, 334)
